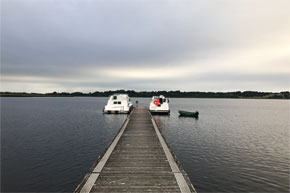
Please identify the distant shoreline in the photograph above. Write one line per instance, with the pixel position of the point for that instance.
(169, 94)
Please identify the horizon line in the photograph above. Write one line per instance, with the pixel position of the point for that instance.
(123, 90)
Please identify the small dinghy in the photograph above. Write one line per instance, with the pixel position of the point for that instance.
(188, 114)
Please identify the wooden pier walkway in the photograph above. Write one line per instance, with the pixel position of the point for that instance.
(138, 160)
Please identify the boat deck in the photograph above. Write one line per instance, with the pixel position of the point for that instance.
(138, 160)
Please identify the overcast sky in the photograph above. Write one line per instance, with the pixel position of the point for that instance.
(188, 45)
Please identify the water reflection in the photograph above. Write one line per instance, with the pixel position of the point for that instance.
(161, 119)
(110, 118)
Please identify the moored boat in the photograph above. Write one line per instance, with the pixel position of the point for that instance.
(118, 103)
(159, 105)
(188, 114)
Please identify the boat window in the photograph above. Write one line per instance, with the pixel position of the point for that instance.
(119, 102)
(115, 102)
(114, 98)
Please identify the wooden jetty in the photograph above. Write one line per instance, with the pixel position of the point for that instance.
(138, 160)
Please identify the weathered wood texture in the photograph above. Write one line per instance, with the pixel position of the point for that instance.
(138, 162)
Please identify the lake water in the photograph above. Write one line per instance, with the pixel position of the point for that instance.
(236, 145)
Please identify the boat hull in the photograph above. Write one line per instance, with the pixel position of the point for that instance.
(188, 114)
(118, 111)
(158, 112)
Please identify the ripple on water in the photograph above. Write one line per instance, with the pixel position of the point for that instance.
(49, 144)
(234, 146)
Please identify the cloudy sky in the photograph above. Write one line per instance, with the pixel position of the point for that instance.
(188, 45)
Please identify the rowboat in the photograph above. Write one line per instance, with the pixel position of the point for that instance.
(188, 114)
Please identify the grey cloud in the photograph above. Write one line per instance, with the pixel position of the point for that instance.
(99, 32)
(53, 38)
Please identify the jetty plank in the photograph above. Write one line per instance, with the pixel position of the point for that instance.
(138, 160)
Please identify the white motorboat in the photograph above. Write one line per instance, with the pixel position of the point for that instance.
(159, 105)
(118, 103)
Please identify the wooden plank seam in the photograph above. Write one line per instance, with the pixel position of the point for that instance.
(184, 185)
(184, 188)
(97, 170)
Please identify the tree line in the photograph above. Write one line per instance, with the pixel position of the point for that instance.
(169, 94)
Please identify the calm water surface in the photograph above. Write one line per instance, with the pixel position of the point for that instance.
(49, 144)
